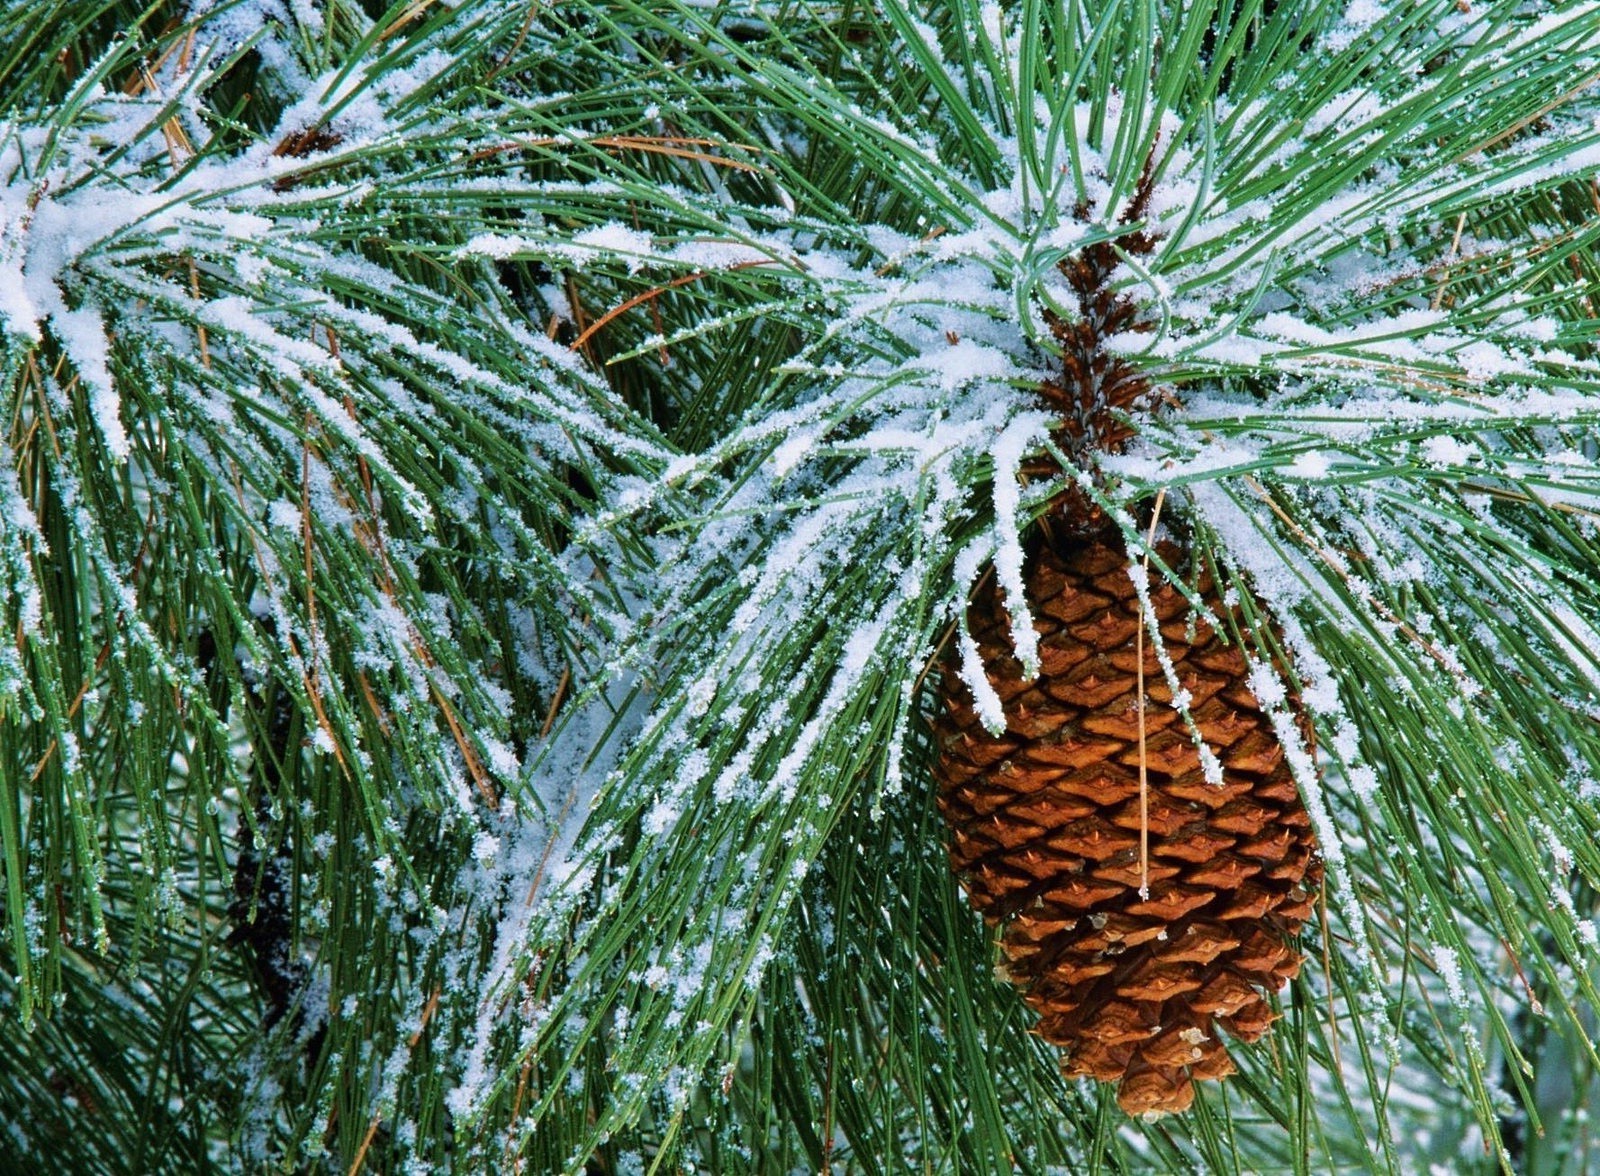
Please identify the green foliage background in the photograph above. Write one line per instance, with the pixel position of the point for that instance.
(484, 485)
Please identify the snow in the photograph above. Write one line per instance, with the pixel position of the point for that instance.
(42, 238)
(974, 675)
(1445, 452)
(1312, 465)
(607, 242)
(1359, 16)
(1018, 439)
(1448, 964)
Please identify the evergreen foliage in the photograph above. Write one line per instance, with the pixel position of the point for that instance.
(485, 484)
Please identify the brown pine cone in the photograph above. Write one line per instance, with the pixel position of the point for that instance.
(1045, 824)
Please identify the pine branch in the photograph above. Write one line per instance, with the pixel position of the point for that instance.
(591, 423)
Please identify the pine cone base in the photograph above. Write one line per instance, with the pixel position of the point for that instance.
(1134, 971)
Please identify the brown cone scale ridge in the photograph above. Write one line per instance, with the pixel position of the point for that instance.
(1045, 825)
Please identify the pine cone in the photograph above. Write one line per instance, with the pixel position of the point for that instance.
(1045, 830)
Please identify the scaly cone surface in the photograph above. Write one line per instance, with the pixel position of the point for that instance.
(1047, 819)
(1045, 824)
